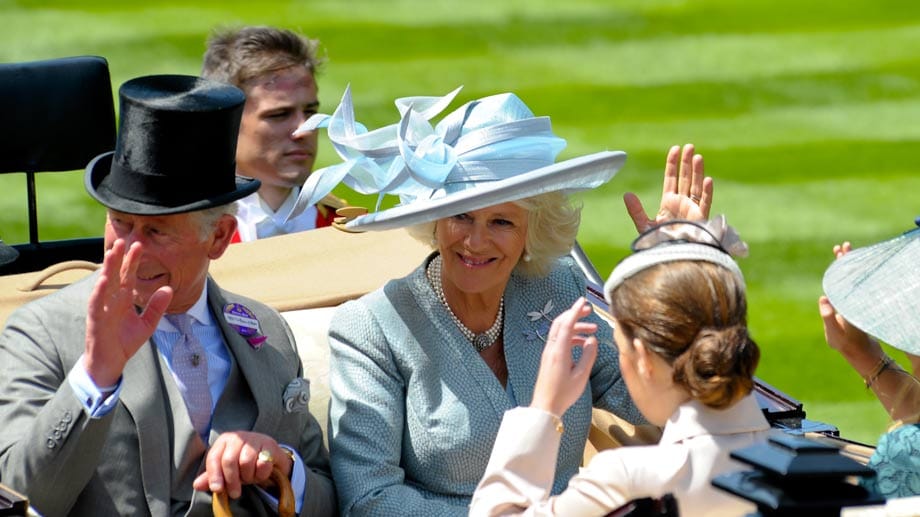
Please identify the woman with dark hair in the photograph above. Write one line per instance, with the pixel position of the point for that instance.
(679, 318)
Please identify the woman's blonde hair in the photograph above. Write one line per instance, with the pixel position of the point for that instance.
(694, 315)
(552, 225)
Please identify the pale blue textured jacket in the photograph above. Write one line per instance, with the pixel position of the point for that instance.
(415, 410)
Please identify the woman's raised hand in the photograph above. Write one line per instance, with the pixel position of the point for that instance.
(686, 192)
(561, 379)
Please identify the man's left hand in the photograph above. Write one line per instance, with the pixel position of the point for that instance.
(240, 458)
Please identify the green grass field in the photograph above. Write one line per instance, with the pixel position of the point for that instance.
(806, 113)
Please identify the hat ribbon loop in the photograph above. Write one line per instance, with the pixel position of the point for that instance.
(484, 140)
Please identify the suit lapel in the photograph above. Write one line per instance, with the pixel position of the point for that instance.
(143, 399)
(252, 366)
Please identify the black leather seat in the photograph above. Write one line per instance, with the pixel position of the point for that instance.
(57, 115)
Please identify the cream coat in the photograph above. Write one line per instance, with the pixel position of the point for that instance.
(694, 448)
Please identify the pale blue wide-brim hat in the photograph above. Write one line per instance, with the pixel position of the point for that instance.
(877, 289)
(489, 151)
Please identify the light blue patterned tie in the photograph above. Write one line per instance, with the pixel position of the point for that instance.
(190, 364)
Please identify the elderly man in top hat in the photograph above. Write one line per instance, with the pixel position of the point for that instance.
(145, 387)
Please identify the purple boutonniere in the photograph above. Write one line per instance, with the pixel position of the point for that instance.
(244, 321)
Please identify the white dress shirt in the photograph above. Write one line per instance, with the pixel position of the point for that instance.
(694, 448)
(257, 220)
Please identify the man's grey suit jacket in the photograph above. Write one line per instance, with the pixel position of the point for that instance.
(124, 462)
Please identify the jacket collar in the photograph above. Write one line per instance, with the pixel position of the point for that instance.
(693, 418)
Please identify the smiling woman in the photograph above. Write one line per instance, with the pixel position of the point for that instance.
(427, 364)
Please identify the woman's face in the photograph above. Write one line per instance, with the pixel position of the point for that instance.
(480, 248)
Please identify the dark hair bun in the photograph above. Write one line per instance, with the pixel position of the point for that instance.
(718, 367)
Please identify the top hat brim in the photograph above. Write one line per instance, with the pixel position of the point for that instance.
(576, 174)
(100, 167)
(875, 288)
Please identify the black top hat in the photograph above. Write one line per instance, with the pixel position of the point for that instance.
(176, 148)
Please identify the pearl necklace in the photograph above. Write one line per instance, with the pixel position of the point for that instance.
(480, 341)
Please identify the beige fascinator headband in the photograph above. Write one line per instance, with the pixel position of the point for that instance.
(678, 240)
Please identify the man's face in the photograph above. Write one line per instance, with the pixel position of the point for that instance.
(276, 104)
(174, 253)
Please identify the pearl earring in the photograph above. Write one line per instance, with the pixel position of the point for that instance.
(527, 257)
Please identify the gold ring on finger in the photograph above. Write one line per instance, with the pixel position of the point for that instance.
(266, 456)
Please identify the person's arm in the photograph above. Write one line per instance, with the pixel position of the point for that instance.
(561, 380)
(115, 329)
(239, 458)
(520, 473)
(46, 437)
(686, 191)
(367, 419)
(519, 476)
(897, 390)
(914, 363)
(51, 447)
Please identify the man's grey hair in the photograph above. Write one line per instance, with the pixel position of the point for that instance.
(207, 219)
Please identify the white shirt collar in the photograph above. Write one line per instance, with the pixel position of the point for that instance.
(285, 207)
(257, 220)
(199, 312)
(255, 204)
